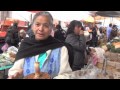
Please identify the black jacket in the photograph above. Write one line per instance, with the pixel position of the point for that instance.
(60, 35)
(79, 46)
(12, 38)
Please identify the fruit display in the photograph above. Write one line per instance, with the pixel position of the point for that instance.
(114, 45)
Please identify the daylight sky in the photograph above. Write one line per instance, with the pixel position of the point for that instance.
(60, 15)
(65, 16)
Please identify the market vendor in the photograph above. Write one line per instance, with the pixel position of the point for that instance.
(42, 47)
(75, 37)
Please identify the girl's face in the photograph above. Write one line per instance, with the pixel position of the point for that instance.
(77, 30)
(41, 28)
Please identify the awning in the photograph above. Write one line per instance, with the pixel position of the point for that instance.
(90, 19)
(108, 13)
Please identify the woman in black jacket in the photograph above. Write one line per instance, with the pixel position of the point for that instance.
(60, 34)
(94, 36)
(75, 37)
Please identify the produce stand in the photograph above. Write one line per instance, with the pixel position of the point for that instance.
(112, 55)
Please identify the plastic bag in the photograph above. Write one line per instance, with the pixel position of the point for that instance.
(88, 72)
(12, 49)
(100, 53)
(97, 55)
(5, 47)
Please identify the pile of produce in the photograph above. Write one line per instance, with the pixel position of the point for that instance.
(8, 57)
(4, 59)
(111, 64)
(12, 53)
(114, 45)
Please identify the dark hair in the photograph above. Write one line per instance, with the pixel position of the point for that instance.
(82, 28)
(96, 26)
(58, 27)
(114, 26)
(44, 13)
(110, 25)
(72, 26)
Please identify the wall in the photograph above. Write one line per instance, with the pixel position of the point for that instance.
(4, 14)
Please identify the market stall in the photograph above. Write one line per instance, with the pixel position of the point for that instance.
(7, 59)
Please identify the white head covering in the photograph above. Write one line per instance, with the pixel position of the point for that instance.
(22, 31)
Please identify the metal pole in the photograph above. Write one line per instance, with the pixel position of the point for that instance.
(112, 20)
(31, 18)
(104, 21)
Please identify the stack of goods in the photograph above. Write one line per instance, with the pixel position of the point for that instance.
(4, 59)
(8, 57)
(114, 45)
(38, 74)
(12, 53)
(112, 64)
(89, 72)
(112, 59)
(98, 59)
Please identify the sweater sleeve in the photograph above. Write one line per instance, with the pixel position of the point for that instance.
(18, 65)
(78, 44)
(64, 63)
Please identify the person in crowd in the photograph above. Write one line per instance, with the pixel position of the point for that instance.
(108, 31)
(29, 31)
(12, 38)
(52, 54)
(75, 37)
(60, 34)
(86, 27)
(101, 30)
(22, 35)
(94, 36)
(114, 32)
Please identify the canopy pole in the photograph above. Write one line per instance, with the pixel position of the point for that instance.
(112, 20)
(104, 21)
(30, 18)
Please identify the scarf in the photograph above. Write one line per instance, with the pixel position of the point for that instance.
(31, 47)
